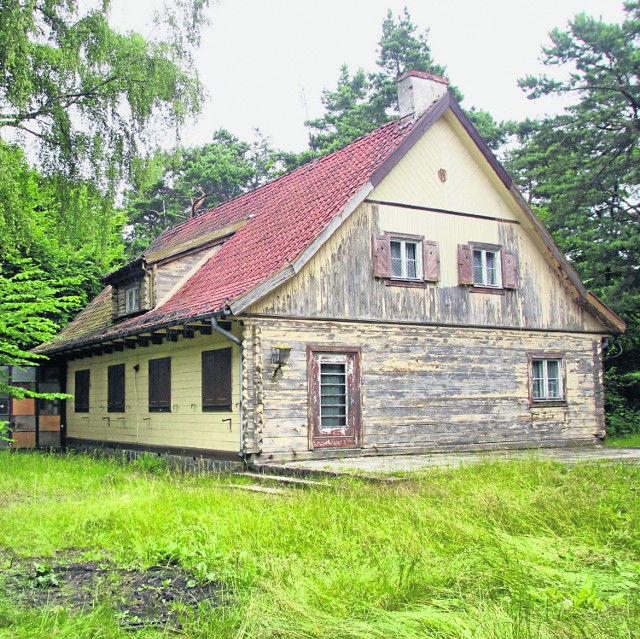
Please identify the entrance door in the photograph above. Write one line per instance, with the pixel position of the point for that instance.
(334, 398)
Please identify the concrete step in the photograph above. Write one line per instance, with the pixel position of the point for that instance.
(282, 479)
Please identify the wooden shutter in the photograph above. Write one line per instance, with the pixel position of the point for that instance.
(160, 385)
(509, 270)
(82, 383)
(431, 261)
(381, 256)
(115, 391)
(465, 265)
(216, 379)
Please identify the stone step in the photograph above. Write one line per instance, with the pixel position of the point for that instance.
(282, 479)
(256, 488)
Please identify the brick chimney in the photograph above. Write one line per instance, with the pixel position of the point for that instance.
(417, 90)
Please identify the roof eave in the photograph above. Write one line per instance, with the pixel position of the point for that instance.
(95, 340)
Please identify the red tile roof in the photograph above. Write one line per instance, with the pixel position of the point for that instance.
(285, 216)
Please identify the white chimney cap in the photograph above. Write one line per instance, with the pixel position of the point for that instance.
(417, 90)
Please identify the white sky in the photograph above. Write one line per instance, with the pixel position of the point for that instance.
(261, 61)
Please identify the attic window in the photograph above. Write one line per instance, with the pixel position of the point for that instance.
(132, 299)
(406, 260)
(486, 268)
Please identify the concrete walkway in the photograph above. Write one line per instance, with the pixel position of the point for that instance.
(391, 463)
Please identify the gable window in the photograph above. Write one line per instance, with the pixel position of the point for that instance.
(405, 258)
(216, 379)
(132, 299)
(81, 395)
(547, 379)
(486, 268)
(115, 390)
(160, 385)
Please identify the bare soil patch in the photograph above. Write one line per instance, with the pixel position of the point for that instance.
(158, 596)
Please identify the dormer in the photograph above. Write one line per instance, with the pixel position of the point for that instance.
(132, 290)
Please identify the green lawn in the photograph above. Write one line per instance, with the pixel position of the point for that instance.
(497, 550)
(627, 441)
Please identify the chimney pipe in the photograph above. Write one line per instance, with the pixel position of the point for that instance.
(418, 90)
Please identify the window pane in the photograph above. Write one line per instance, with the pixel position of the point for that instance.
(412, 260)
(478, 274)
(333, 390)
(492, 268)
(538, 389)
(396, 259)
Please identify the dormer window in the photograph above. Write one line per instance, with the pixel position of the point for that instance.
(132, 289)
(132, 299)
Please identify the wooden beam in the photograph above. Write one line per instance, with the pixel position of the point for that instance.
(143, 341)
(156, 338)
(118, 346)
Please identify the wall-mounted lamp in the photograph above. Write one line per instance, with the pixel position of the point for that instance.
(279, 356)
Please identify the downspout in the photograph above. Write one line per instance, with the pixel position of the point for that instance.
(236, 340)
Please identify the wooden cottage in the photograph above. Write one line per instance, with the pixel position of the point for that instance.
(396, 296)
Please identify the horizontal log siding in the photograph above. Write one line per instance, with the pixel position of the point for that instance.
(187, 425)
(433, 387)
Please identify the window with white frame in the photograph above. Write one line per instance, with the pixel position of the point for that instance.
(406, 258)
(487, 268)
(547, 379)
(132, 299)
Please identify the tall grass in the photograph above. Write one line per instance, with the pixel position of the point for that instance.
(497, 550)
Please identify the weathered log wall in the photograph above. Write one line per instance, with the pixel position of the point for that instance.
(430, 388)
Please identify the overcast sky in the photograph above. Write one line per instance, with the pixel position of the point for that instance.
(264, 63)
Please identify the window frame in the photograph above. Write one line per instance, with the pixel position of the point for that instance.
(81, 390)
(132, 288)
(116, 388)
(483, 250)
(159, 398)
(404, 240)
(547, 400)
(217, 396)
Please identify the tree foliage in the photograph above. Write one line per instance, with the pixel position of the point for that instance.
(581, 169)
(174, 186)
(85, 100)
(362, 102)
(85, 93)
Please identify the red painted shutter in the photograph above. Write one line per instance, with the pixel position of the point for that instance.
(381, 256)
(216, 379)
(509, 270)
(160, 385)
(465, 265)
(431, 261)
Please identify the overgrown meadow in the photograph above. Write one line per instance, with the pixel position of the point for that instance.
(502, 550)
